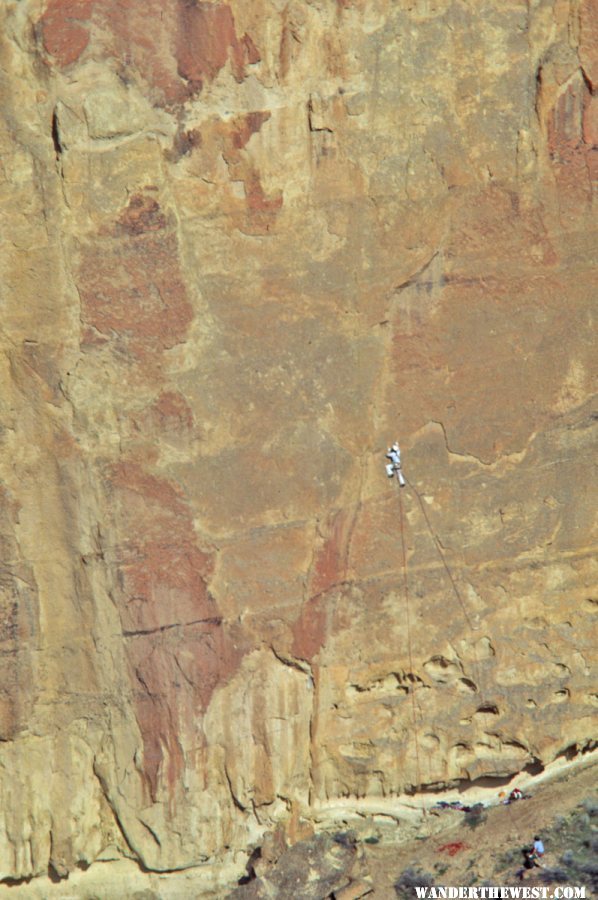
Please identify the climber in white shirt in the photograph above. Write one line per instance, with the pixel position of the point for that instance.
(394, 455)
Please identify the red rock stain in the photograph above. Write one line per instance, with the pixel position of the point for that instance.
(132, 288)
(330, 570)
(176, 46)
(177, 646)
(64, 30)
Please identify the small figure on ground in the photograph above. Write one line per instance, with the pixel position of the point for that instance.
(538, 850)
(516, 794)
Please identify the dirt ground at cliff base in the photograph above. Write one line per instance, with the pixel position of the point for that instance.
(562, 809)
(506, 828)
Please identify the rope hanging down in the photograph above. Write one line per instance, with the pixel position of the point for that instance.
(394, 467)
(438, 546)
(439, 549)
(409, 648)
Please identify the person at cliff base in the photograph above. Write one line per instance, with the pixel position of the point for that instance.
(538, 846)
(529, 862)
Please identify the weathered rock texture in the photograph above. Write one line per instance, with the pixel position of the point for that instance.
(245, 246)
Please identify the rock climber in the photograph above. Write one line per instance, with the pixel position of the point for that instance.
(394, 455)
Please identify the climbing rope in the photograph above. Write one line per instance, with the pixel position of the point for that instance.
(438, 546)
(394, 468)
(474, 663)
(475, 666)
(409, 646)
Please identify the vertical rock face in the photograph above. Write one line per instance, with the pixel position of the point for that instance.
(244, 247)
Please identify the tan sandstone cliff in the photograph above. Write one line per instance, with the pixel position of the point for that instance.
(245, 246)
